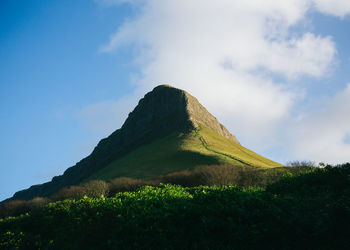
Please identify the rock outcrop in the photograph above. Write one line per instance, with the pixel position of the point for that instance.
(199, 114)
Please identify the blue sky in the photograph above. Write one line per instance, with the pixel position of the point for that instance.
(275, 74)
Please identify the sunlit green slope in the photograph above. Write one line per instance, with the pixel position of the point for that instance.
(180, 151)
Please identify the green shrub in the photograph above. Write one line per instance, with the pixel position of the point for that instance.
(304, 211)
(244, 176)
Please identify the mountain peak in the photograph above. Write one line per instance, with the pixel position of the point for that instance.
(164, 86)
(170, 100)
(161, 112)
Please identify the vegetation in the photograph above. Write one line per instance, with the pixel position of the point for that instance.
(244, 176)
(181, 151)
(175, 152)
(168, 131)
(306, 211)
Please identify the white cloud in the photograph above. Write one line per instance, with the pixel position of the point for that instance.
(322, 136)
(213, 50)
(339, 8)
(310, 54)
(224, 52)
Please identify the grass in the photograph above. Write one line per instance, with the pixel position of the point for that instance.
(231, 150)
(179, 151)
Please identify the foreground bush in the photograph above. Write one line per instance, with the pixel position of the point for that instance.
(310, 211)
(244, 176)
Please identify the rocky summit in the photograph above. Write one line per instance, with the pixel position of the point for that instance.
(170, 109)
(169, 130)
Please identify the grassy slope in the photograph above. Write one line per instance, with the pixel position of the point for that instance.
(180, 151)
(221, 145)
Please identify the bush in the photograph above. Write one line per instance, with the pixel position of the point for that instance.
(244, 176)
(13, 208)
(95, 188)
(318, 180)
(18, 207)
(301, 164)
(218, 175)
(37, 202)
(306, 211)
(124, 184)
(206, 175)
(184, 178)
(72, 192)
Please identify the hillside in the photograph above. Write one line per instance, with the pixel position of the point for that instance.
(169, 130)
(180, 151)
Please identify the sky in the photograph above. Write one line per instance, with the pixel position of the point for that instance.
(275, 73)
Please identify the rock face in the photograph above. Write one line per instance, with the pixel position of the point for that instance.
(171, 109)
(199, 114)
(162, 111)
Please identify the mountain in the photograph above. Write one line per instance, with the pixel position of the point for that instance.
(168, 131)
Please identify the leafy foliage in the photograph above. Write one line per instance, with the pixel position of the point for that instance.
(308, 211)
(244, 176)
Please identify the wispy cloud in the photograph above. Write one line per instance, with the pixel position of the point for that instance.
(339, 8)
(322, 135)
(104, 117)
(226, 53)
